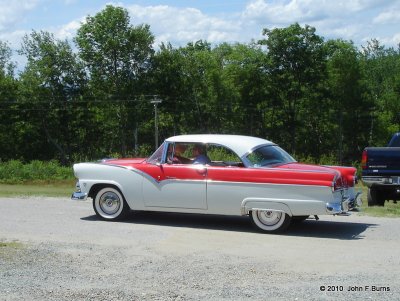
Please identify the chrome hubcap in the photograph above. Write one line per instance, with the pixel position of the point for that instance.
(109, 203)
(269, 218)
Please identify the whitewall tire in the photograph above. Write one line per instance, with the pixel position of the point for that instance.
(270, 221)
(109, 204)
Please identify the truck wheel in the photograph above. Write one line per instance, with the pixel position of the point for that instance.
(375, 197)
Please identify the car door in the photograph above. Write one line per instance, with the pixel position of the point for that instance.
(176, 186)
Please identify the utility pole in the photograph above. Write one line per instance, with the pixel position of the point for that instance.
(155, 102)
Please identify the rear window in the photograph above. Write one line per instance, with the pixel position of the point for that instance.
(269, 155)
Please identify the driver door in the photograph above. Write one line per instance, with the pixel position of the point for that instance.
(172, 185)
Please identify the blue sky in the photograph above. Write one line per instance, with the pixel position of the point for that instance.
(180, 22)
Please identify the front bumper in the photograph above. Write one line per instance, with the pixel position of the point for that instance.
(79, 195)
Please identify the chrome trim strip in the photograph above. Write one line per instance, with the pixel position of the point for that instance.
(258, 183)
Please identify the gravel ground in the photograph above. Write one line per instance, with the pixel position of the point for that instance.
(63, 252)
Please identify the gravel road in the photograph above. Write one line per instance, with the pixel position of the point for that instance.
(63, 252)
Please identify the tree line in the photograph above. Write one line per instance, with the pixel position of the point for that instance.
(324, 100)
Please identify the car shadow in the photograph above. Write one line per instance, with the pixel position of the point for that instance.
(330, 229)
(308, 228)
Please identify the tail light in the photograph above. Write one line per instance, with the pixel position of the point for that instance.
(364, 160)
(337, 183)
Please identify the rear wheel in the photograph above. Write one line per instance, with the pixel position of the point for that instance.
(375, 197)
(270, 221)
(109, 204)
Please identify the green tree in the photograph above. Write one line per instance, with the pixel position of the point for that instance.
(296, 67)
(380, 67)
(117, 56)
(8, 94)
(348, 107)
(245, 102)
(51, 85)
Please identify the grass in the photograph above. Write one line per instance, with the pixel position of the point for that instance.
(8, 250)
(17, 172)
(12, 244)
(62, 188)
(389, 210)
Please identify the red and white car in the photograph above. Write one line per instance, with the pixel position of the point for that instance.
(235, 175)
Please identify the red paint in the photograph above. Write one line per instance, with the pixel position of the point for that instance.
(125, 162)
(270, 175)
(291, 174)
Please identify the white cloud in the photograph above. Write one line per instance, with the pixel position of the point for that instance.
(182, 25)
(391, 16)
(349, 20)
(67, 31)
(12, 12)
(357, 20)
(284, 11)
(393, 40)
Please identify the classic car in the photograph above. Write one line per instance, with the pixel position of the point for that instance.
(218, 174)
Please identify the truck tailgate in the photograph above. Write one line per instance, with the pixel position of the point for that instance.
(382, 161)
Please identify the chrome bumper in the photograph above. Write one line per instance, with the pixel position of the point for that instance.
(78, 195)
(356, 201)
(346, 205)
(337, 208)
(381, 180)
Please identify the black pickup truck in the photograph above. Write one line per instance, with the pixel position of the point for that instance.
(381, 172)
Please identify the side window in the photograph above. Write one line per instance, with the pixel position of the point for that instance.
(179, 153)
(222, 156)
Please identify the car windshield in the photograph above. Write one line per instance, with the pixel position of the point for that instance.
(269, 155)
(157, 156)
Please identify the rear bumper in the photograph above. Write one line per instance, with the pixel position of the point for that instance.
(347, 204)
(381, 180)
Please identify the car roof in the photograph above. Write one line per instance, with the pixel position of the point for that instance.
(237, 143)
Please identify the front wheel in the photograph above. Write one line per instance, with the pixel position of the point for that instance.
(270, 221)
(109, 204)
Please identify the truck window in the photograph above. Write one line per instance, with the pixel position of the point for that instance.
(395, 141)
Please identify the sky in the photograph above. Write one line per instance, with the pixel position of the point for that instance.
(180, 22)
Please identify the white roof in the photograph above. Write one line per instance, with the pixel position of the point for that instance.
(239, 144)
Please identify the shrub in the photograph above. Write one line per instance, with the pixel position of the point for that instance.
(14, 171)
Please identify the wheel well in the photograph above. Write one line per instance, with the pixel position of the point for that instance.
(97, 187)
